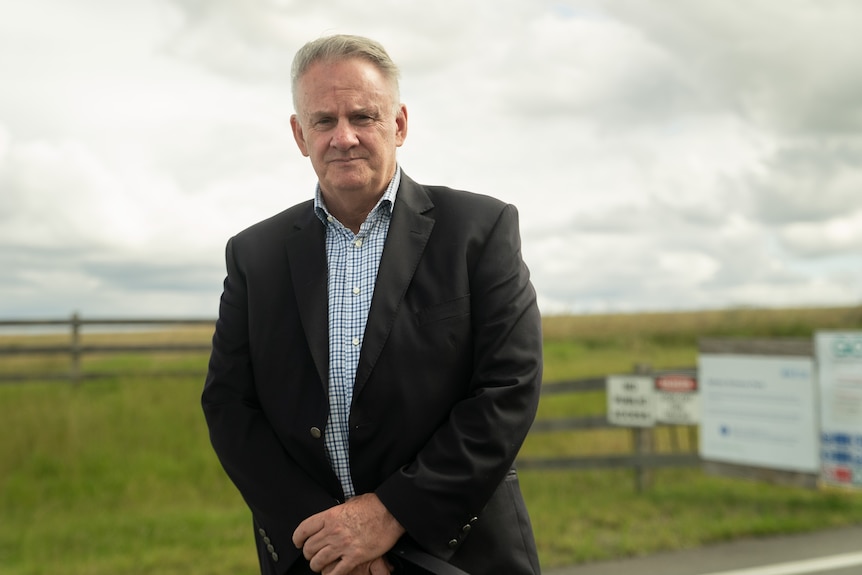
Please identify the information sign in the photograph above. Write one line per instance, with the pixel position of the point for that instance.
(631, 400)
(759, 410)
(839, 361)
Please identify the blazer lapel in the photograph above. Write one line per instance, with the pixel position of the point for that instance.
(408, 234)
(306, 250)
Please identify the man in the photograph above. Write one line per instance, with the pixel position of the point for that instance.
(377, 358)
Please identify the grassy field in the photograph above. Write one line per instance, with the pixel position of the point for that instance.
(117, 475)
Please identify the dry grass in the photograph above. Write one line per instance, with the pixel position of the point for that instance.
(156, 335)
(738, 322)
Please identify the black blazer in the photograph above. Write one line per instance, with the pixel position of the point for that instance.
(445, 392)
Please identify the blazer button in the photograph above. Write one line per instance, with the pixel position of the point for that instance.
(466, 529)
(275, 557)
(315, 432)
(453, 543)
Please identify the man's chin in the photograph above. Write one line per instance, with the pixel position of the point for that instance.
(349, 182)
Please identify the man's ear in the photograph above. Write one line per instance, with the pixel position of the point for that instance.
(296, 127)
(400, 125)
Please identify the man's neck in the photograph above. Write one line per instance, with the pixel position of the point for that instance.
(351, 214)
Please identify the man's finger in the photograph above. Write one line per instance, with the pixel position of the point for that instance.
(380, 567)
(323, 560)
(306, 529)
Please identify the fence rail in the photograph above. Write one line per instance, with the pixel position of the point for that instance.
(76, 349)
(641, 459)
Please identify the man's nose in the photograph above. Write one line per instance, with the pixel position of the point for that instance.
(344, 136)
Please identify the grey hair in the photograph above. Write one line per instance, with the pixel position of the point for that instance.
(343, 47)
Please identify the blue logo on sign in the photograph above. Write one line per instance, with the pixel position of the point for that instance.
(847, 347)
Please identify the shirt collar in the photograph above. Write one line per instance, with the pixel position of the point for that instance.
(386, 201)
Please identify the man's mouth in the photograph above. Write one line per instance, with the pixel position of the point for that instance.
(344, 160)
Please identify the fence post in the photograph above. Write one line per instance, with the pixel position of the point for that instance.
(644, 442)
(75, 368)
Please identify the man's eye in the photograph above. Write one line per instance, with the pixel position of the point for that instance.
(323, 122)
(363, 119)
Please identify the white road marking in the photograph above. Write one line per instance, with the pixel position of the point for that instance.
(799, 567)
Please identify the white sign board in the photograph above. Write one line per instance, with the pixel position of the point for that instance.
(839, 361)
(759, 410)
(677, 399)
(631, 400)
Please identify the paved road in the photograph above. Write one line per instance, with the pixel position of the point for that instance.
(833, 552)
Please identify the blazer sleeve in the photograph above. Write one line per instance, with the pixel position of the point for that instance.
(455, 474)
(251, 453)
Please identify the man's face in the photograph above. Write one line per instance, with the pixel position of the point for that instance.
(349, 125)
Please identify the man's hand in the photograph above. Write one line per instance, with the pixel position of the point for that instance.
(349, 536)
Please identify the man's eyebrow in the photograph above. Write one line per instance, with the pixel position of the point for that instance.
(364, 111)
(371, 111)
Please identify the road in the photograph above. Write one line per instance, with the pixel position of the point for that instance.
(831, 552)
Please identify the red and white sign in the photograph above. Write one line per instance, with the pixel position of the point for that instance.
(675, 383)
(677, 401)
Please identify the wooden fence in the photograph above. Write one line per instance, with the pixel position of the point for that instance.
(75, 348)
(642, 457)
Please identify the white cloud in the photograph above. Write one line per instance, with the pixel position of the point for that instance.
(662, 154)
(809, 180)
(788, 65)
(839, 235)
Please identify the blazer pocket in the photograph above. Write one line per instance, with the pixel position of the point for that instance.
(445, 310)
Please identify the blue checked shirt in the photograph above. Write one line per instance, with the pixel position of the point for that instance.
(352, 261)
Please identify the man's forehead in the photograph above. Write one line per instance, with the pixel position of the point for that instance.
(353, 77)
(342, 71)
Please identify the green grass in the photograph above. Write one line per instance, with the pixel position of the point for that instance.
(592, 515)
(117, 476)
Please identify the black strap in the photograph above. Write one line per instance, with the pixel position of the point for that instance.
(417, 562)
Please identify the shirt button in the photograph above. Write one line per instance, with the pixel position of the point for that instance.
(315, 432)
(356, 290)
(330, 219)
(453, 543)
(358, 243)
(355, 341)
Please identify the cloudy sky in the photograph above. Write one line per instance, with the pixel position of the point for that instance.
(663, 154)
